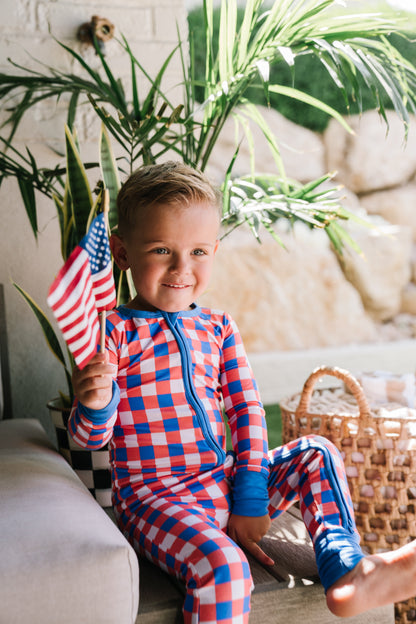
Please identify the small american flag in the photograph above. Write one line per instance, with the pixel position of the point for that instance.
(83, 288)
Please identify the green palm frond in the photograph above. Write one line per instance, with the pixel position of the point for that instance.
(110, 174)
(352, 46)
(30, 178)
(295, 94)
(263, 200)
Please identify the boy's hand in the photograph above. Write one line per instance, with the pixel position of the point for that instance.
(93, 385)
(248, 531)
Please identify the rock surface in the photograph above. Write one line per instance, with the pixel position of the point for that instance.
(382, 271)
(396, 205)
(372, 158)
(303, 296)
(293, 298)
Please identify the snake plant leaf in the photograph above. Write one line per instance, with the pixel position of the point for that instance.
(79, 187)
(60, 209)
(48, 331)
(72, 109)
(70, 234)
(110, 174)
(50, 337)
(96, 208)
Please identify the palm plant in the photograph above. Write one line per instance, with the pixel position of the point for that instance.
(352, 46)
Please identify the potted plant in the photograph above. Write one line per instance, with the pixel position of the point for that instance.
(76, 208)
(149, 128)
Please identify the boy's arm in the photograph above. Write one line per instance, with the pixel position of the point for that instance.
(95, 408)
(248, 428)
(249, 520)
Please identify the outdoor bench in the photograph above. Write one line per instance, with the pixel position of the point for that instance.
(288, 593)
(64, 560)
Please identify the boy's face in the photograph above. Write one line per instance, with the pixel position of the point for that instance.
(170, 253)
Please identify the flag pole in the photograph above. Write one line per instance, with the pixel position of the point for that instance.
(106, 209)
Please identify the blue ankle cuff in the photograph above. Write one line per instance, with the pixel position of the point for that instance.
(337, 551)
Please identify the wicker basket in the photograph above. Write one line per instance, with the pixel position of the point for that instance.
(378, 445)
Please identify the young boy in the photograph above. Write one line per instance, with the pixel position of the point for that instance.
(156, 396)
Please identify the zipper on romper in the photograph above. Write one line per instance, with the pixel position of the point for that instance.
(190, 391)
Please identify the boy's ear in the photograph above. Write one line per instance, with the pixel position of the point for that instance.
(119, 252)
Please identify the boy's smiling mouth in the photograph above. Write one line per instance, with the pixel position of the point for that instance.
(179, 286)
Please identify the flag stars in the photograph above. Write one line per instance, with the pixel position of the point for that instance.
(97, 246)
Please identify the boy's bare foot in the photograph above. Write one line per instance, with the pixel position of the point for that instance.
(376, 580)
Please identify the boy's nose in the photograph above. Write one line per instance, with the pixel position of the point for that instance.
(179, 264)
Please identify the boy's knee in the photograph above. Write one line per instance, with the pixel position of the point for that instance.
(225, 564)
(219, 584)
(237, 562)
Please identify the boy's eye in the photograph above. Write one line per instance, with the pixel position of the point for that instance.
(198, 252)
(160, 250)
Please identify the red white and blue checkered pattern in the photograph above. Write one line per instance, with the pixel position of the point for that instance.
(173, 484)
(173, 372)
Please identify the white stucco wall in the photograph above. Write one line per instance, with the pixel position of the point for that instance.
(150, 28)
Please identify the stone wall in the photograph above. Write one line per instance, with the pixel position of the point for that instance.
(303, 296)
(150, 28)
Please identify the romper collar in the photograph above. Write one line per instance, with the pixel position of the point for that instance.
(172, 316)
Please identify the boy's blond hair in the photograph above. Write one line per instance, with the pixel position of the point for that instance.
(170, 183)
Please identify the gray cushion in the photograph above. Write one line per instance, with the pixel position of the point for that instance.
(62, 558)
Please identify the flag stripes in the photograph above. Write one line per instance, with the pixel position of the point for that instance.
(83, 288)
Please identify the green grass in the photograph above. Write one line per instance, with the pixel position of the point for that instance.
(274, 427)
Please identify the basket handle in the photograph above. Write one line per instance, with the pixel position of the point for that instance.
(350, 381)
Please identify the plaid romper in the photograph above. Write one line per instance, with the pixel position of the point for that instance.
(174, 485)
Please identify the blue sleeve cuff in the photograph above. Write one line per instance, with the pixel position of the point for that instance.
(99, 417)
(250, 494)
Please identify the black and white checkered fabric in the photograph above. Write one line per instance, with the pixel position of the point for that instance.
(92, 467)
